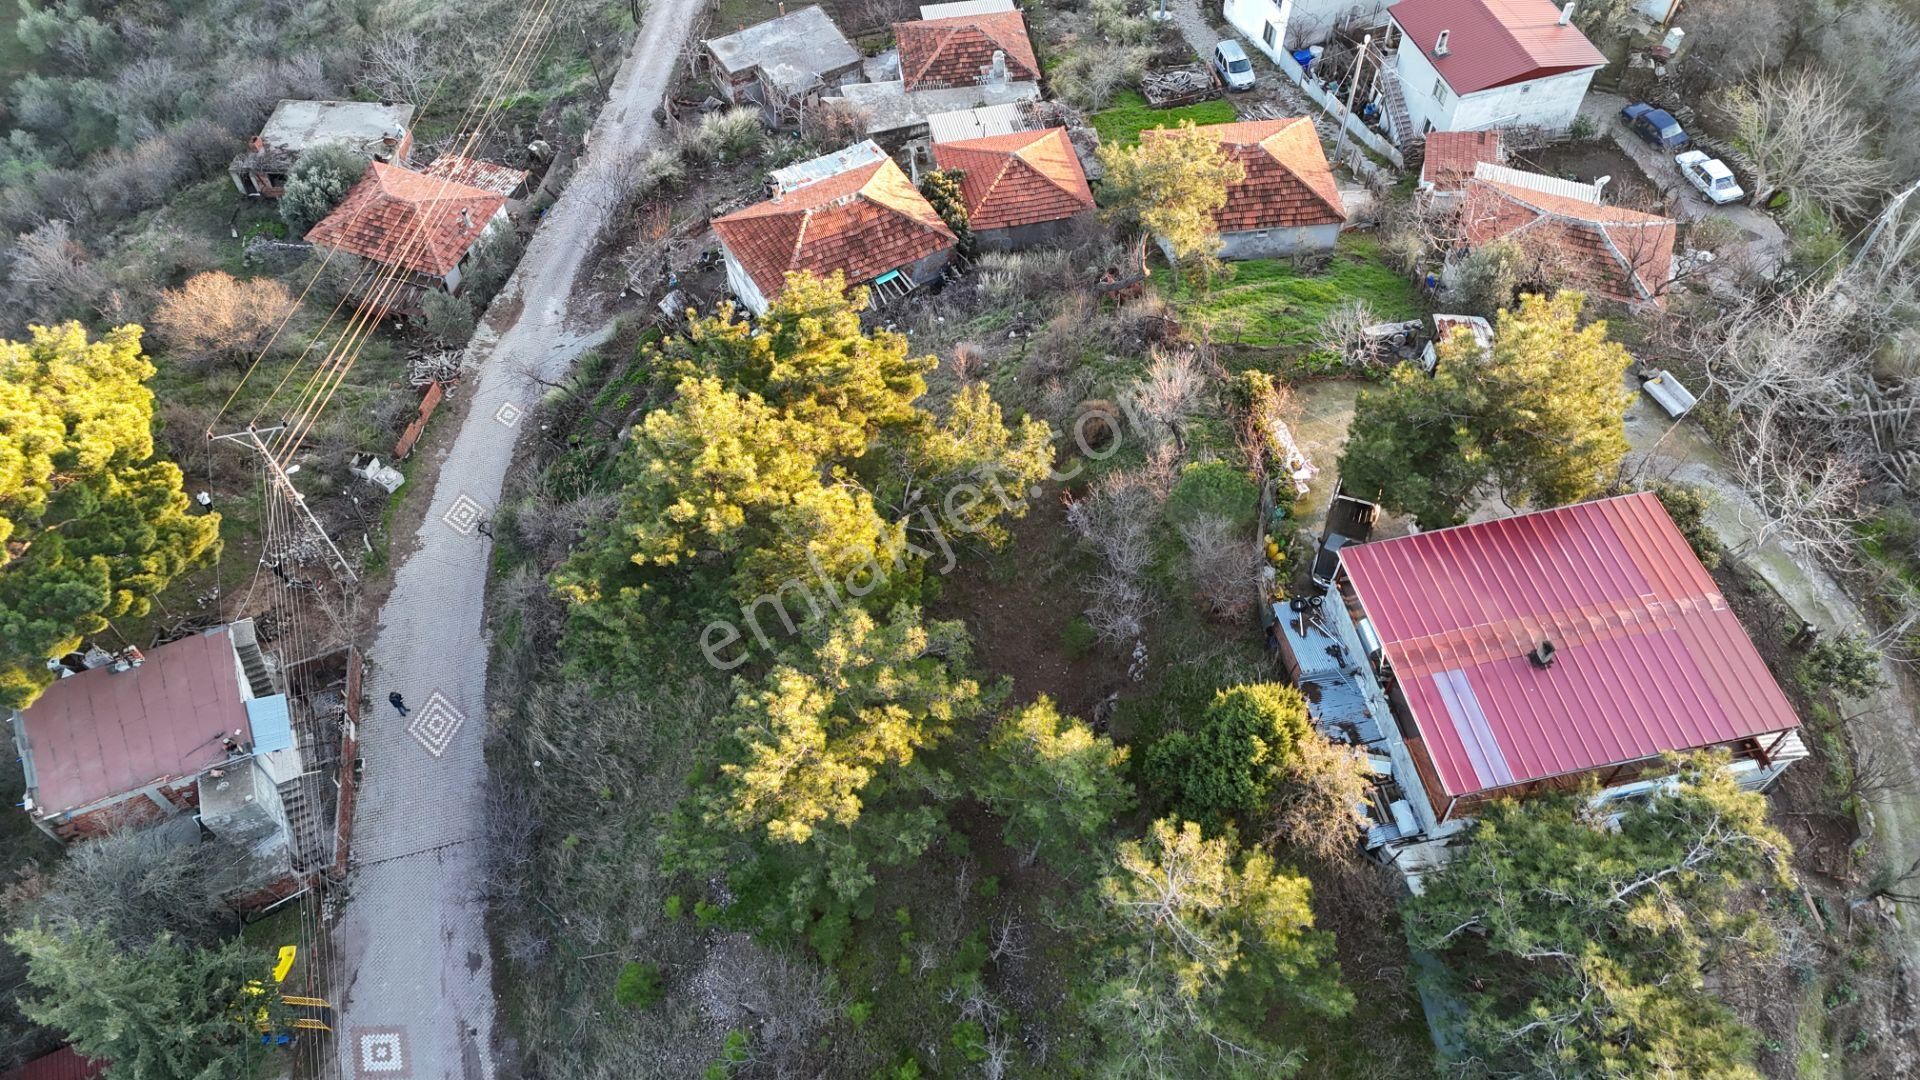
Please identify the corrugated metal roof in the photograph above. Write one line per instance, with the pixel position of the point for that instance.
(272, 726)
(1541, 182)
(959, 124)
(104, 732)
(63, 1064)
(1494, 42)
(1648, 657)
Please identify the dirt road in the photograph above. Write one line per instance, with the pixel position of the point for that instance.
(413, 979)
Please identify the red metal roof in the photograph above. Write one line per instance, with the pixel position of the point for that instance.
(1021, 178)
(63, 1064)
(958, 51)
(103, 732)
(396, 216)
(865, 222)
(1494, 42)
(1648, 657)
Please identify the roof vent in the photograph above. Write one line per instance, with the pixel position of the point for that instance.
(1440, 43)
(1566, 15)
(1542, 655)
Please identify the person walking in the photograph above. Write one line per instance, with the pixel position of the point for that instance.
(398, 702)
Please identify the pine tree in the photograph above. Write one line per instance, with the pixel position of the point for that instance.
(943, 191)
(165, 1012)
(1169, 185)
(1592, 939)
(92, 527)
(1058, 785)
(1225, 764)
(1541, 416)
(1201, 942)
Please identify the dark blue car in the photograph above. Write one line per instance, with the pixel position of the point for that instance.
(1656, 126)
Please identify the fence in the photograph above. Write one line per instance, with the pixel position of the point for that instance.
(428, 403)
(1337, 109)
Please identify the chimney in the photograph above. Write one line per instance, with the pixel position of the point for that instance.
(390, 140)
(1542, 655)
(1566, 13)
(256, 144)
(466, 219)
(997, 72)
(1440, 43)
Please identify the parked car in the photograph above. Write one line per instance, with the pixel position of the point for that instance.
(1711, 176)
(1230, 60)
(1656, 126)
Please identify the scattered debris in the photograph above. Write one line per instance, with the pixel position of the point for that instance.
(1184, 85)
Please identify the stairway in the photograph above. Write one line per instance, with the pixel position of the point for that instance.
(1395, 101)
(259, 673)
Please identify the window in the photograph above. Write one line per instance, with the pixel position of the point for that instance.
(1440, 91)
(1271, 36)
(1526, 88)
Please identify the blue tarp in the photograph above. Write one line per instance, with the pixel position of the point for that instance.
(272, 727)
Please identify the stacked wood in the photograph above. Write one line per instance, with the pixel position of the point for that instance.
(1184, 85)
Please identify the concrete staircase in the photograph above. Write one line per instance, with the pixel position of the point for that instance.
(260, 673)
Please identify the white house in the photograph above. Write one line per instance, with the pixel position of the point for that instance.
(1279, 26)
(1468, 65)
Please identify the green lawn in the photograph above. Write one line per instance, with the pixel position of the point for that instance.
(1130, 115)
(1271, 303)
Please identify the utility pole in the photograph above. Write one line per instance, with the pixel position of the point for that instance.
(1893, 208)
(278, 478)
(1353, 86)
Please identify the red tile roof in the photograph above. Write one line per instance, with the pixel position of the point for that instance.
(103, 732)
(396, 216)
(1288, 183)
(1623, 255)
(1017, 179)
(959, 50)
(486, 175)
(1494, 42)
(63, 1064)
(865, 222)
(1648, 657)
(1452, 155)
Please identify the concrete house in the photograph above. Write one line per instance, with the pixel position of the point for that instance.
(1281, 26)
(783, 60)
(1609, 252)
(197, 726)
(374, 130)
(428, 225)
(1021, 189)
(853, 211)
(1465, 65)
(1530, 654)
(1289, 202)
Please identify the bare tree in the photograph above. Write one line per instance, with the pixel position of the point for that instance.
(1343, 333)
(52, 274)
(398, 67)
(215, 315)
(1781, 348)
(1802, 137)
(1805, 494)
(1116, 520)
(1313, 808)
(1168, 395)
(1224, 566)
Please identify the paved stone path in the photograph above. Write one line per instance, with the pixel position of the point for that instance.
(413, 979)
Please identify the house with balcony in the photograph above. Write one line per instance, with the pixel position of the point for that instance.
(1540, 652)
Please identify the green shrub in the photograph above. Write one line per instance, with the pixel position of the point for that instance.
(859, 1012)
(639, 986)
(970, 1039)
(1225, 764)
(672, 908)
(1216, 488)
(1687, 505)
(1846, 664)
(319, 179)
(449, 318)
(1078, 638)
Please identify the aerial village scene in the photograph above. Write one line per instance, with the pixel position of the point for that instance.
(739, 539)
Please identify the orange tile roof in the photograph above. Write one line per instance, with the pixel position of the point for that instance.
(1452, 155)
(865, 222)
(400, 217)
(1623, 255)
(959, 50)
(1021, 178)
(485, 175)
(1288, 183)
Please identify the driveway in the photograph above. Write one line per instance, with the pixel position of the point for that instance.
(413, 981)
(1766, 243)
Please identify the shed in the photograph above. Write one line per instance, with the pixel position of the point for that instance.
(376, 130)
(65, 1063)
(1021, 188)
(783, 59)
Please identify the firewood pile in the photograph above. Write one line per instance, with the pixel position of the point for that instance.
(433, 367)
(1166, 87)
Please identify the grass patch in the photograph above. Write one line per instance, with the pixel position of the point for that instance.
(1272, 303)
(1130, 115)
